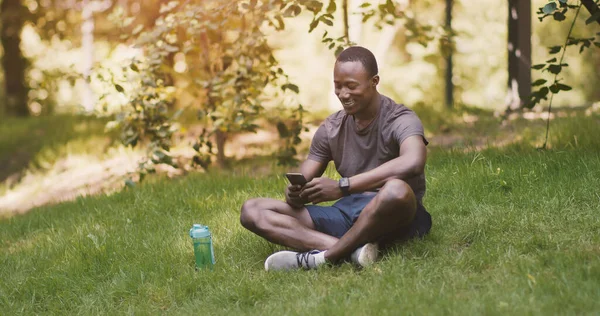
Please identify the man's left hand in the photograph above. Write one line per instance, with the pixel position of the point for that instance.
(321, 190)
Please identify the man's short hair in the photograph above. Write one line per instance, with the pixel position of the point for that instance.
(361, 54)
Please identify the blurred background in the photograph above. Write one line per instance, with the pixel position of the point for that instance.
(95, 95)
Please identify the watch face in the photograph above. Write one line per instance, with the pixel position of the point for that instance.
(344, 183)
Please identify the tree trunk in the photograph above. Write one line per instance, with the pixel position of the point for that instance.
(221, 138)
(87, 45)
(449, 84)
(519, 53)
(352, 31)
(13, 62)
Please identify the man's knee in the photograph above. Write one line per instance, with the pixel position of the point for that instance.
(399, 196)
(396, 191)
(249, 213)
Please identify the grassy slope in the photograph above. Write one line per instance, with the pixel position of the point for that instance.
(515, 231)
(37, 142)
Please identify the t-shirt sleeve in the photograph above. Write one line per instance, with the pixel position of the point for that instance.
(408, 125)
(319, 148)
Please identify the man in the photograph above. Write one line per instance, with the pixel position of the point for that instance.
(378, 148)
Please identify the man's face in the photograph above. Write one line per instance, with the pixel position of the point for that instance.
(354, 86)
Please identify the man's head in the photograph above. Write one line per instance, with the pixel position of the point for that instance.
(355, 78)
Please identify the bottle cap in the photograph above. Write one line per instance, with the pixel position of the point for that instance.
(199, 231)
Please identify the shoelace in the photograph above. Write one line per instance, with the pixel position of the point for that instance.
(302, 258)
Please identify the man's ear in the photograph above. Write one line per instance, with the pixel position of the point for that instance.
(375, 80)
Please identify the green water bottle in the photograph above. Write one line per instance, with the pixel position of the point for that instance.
(203, 248)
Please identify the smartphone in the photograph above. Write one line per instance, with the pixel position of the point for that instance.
(296, 178)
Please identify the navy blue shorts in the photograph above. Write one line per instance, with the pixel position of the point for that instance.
(337, 219)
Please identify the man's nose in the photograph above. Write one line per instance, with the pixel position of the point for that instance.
(343, 94)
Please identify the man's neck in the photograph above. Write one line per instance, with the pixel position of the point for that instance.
(365, 118)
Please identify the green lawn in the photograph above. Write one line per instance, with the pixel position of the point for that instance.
(516, 231)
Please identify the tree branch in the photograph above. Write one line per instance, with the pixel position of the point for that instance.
(592, 8)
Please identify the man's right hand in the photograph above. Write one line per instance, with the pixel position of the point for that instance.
(292, 196)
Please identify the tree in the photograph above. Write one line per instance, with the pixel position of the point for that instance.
(554, 66)
(519, 53)
(449, 84)
(15, 99)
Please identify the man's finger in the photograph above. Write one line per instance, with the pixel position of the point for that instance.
(314, 197)
(309, 191)
(310, 184)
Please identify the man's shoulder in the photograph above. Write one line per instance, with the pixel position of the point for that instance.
(393, 110)
(335, 119)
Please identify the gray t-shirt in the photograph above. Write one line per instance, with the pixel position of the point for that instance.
(355, 152)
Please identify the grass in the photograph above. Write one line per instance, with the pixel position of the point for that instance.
(515, 232)
(36, 143)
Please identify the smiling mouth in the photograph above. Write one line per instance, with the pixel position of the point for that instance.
(348, 103)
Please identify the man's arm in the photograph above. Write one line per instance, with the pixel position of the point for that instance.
(410, 163)
(312, 169)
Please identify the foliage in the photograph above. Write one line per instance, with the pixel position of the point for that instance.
(558, 10)
(228, 68)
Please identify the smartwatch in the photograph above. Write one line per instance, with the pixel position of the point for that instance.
(345, 186)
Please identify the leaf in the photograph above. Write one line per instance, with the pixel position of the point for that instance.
(282, 130)
(290, 86)
(539, 82)
(549, 8)
(292, 11)
(364, 5)
(312, 25)
(281, 23)
(553, 60)
(555, 69)
(559, 16)
(338, 50)
(119, 88)
(331, 7)
(563, 87)
(597, 44)
(314, 6)
(326, 21)
(134, 67)
(595, 17)
(390, 7)
(555, 49)
(538, 66)
(554, 88)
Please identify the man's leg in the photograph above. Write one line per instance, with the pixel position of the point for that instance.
(278, 222)
(393, 208)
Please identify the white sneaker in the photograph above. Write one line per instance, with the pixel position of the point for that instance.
(366, 255)
(291, 260)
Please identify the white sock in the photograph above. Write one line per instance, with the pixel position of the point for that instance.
(320, 258)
